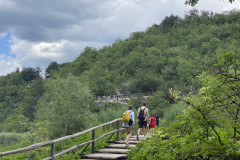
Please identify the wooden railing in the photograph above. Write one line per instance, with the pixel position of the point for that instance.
(53, 142)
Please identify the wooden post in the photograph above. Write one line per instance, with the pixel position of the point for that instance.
(93, 143)
(118, 131)
(52, 151)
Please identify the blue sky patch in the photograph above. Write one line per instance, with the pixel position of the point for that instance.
(5, 43)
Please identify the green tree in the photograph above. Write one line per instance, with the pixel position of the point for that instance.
(158, 103)
(16, 123)
(28, 74)
(30, 94)
(168, 23)
(67, 105)
(53, 66)
(209, 126)
(145, 82)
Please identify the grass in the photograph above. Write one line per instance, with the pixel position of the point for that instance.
(170, 114)
(10, 139)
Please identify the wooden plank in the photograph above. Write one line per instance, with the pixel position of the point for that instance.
(134, 139)
(104, 156)
(130, 142)
(140, 136)
(121, 146)
(113, 150)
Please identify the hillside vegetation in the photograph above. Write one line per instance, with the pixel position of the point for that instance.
(175, 60)
(168, 55)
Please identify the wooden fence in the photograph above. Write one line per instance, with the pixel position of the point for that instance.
(53, 142)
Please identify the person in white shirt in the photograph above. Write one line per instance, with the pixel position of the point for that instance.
(142, 119)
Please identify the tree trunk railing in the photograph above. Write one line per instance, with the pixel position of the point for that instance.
(53, 142)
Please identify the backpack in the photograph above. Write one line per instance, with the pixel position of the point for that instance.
(126, 117)
(141, 116)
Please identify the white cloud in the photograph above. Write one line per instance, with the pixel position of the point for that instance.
(59, 30)
(32, 54)
(8, 64)
(218, 6)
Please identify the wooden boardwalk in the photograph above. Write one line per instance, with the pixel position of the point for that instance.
(117, 151)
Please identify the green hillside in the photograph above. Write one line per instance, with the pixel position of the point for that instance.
(167, 55)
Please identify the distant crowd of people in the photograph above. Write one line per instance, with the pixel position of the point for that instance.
(144, 120)
(113, 97)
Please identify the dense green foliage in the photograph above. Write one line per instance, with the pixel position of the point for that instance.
(65, 103)
(165, 59)
(19, 94)
(209, 127)
(168, 55)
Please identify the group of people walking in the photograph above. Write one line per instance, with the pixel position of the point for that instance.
(144, 121)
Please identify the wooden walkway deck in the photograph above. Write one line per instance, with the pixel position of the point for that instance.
(116, 151)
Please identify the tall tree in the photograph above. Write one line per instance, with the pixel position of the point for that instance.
(67, 105)
(28, 74)
(53, 66)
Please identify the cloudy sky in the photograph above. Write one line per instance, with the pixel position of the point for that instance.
(34, 33)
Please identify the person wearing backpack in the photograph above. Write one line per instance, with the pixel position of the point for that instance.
(157, 119)
(143, 117)
(128, 123)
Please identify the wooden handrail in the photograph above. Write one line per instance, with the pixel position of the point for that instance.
(53, 142)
